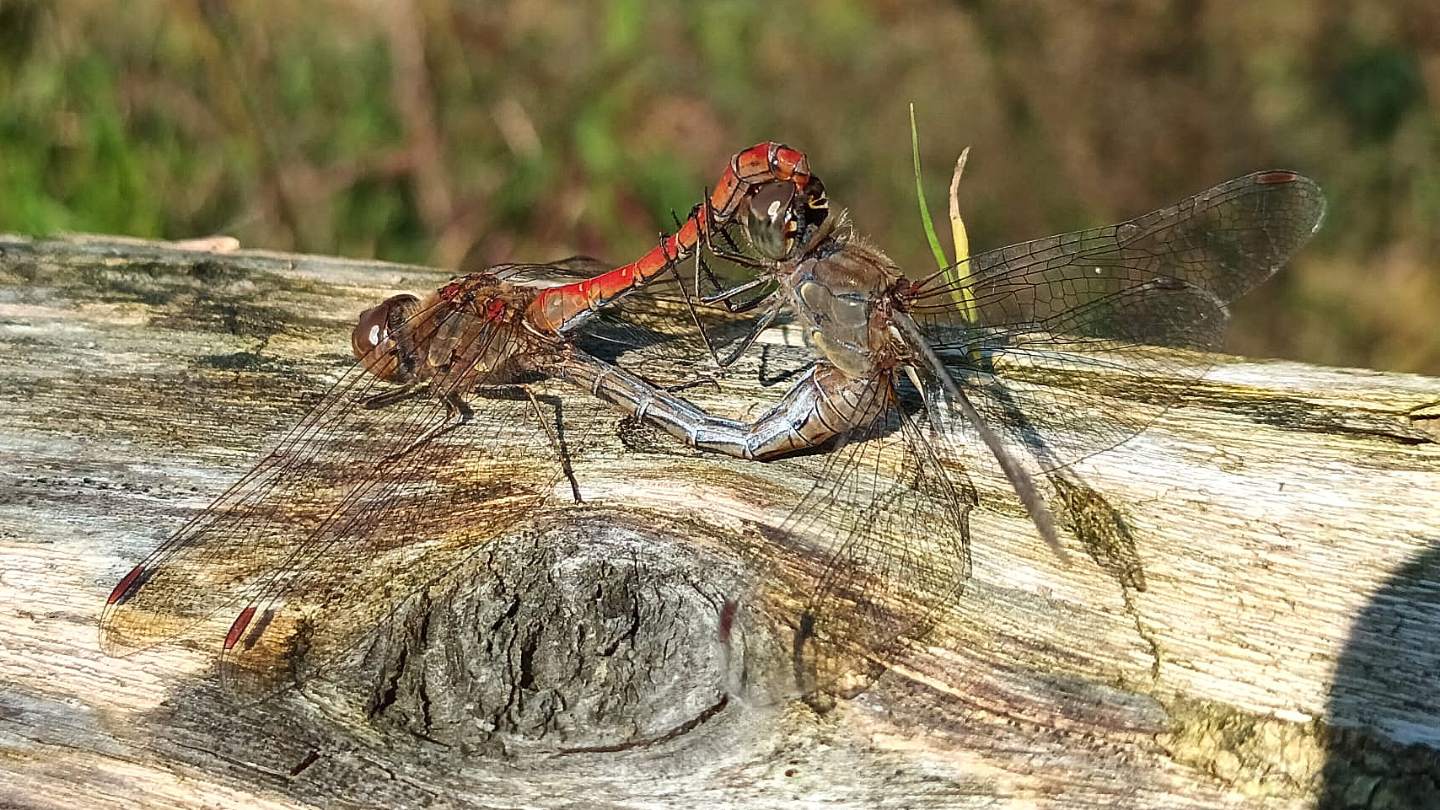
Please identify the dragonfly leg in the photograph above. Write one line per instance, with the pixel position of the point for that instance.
(672, 262)
(557, 439)
(761, 324)
(732, 254)
(387, 398)
(726, 296)
(458, 413)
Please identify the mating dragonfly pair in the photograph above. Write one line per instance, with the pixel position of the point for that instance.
(909, 378)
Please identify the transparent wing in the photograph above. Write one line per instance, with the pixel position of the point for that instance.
(436, 503)
(874, 552)
(205, 564)
(549, 274)
(315, 515)
(1067, 344)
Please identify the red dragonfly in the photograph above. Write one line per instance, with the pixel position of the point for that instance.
(371, 474)
(912, 376)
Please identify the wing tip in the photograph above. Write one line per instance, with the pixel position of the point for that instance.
(237, 628)
(127, 586)
(1305, 186)
(1277, 177)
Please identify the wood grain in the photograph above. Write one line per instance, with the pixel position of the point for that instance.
(1251, 616)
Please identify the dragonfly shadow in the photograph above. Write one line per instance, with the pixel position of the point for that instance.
(1101, 528)
(550, 415)
(783, 375)
(1382, 735)
(1097, 524)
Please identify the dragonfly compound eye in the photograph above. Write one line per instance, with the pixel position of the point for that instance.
(377, 338)
(770, 221)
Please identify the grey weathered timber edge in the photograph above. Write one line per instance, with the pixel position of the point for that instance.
(1251, 617)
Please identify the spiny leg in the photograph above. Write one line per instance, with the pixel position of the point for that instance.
(454, 407)
(670, 262)
(731, 254)
(387, 398)
(557, 441)
(761, 324)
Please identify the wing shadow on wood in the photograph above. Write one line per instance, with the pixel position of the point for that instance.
(1097, 524)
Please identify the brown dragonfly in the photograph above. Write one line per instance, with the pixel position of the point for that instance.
(372, 474)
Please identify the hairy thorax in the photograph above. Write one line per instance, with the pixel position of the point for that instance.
(841, 298)
(468, 331)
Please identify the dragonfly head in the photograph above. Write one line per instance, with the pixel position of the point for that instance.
(779, 218)
(377, 341)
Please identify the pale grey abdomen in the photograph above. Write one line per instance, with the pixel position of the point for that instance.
(821, 405)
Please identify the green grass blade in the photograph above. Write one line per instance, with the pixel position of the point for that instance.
(957, 275)
(925, 219)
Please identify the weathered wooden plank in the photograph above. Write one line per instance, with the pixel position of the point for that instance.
(1251, 614)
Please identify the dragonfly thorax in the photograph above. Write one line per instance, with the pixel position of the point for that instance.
(464, 332)
(841, 299)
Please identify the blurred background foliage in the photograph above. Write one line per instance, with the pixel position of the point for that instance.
(450, 133)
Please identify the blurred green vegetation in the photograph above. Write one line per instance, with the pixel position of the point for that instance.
(429, 131)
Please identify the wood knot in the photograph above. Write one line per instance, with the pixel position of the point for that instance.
(591, 633)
